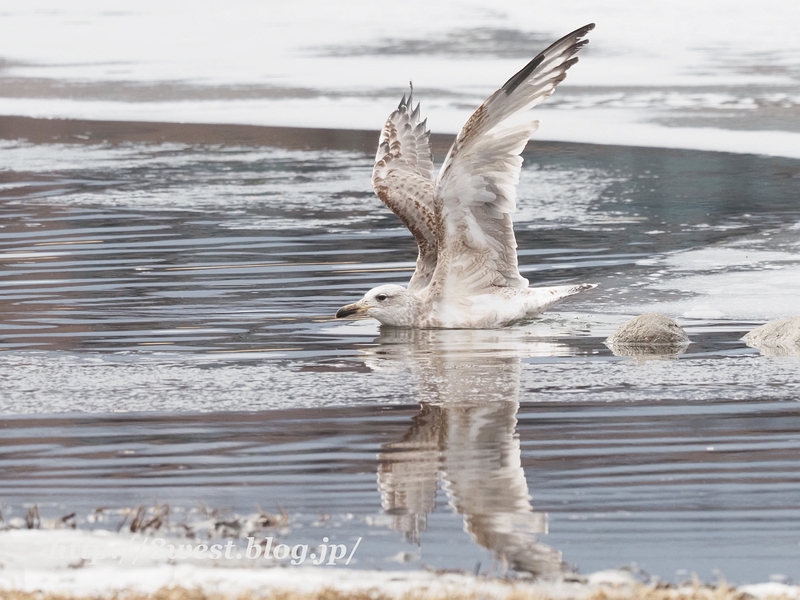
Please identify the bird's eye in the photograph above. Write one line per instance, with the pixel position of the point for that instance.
(380, 297)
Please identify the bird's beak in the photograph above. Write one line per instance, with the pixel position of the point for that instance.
(357, 309)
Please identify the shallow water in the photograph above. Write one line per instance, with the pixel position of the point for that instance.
(191, 288)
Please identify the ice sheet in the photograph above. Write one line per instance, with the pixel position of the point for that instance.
(249, 62)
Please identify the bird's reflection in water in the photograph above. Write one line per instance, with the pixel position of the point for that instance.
(464, 437)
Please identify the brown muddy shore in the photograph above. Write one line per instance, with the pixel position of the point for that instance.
(88, 132)
(75, 131)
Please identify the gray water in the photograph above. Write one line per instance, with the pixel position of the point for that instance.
(167, 337)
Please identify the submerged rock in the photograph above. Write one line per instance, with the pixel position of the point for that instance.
(650, 334)
(776, 338)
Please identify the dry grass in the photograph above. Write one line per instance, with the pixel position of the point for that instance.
(637, 592)
(207, 523)
(694, 592)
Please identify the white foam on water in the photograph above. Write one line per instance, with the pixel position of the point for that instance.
(629, 127)
(731, 283)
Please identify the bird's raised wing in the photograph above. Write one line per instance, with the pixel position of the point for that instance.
(403, 180)
(475, 192)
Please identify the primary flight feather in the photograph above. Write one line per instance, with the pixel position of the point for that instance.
(466, 273)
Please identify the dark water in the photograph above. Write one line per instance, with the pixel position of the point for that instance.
(167, 336)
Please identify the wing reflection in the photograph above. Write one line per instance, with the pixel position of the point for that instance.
(464, 436)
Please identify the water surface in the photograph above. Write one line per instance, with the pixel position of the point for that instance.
(167, 336)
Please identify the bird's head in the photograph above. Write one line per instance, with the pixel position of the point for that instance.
(392, 305)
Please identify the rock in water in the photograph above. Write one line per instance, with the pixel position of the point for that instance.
(650, 334)
(776, 338)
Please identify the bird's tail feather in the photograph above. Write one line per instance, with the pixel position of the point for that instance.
(542, 298)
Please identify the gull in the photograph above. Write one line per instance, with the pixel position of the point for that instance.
(466, 273)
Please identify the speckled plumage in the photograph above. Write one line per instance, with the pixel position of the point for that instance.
(466, 273)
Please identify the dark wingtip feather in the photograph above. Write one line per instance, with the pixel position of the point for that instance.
(517, 80)
(513, 83)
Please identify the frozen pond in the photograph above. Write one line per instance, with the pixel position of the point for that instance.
(651, 76)
(167, 337)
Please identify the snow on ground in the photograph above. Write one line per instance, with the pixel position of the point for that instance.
(716, 75)
(113, 564)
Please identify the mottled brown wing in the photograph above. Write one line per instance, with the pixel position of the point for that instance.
(403, 180)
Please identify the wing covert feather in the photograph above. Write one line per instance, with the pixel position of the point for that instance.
(475, 192)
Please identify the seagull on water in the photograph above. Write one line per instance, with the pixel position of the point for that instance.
(466, 273)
